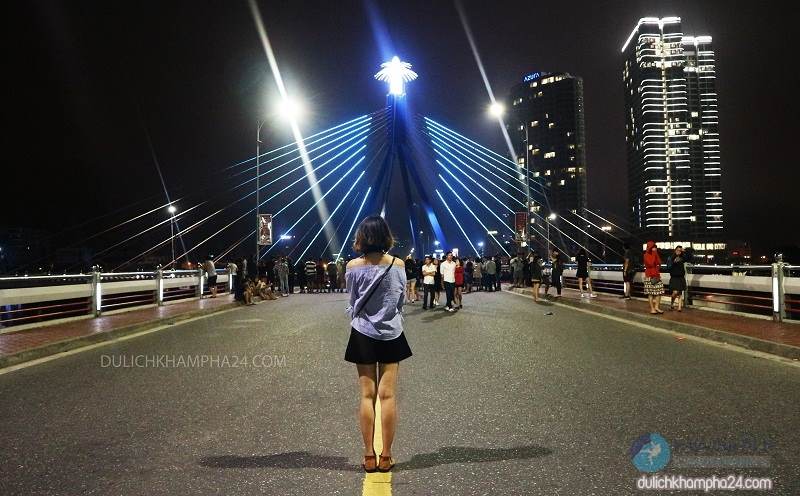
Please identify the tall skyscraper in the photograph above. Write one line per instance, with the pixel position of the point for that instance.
(547, 110)
(672, 133)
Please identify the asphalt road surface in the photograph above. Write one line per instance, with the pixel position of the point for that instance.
(499, 398)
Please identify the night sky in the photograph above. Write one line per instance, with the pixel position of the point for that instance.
(87, 82)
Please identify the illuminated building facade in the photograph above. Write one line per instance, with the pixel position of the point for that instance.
(550, 105)
(672, 133)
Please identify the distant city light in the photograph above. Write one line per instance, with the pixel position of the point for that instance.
(396, 73)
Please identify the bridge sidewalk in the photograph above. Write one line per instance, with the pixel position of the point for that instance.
(782, 339)
(49, 339)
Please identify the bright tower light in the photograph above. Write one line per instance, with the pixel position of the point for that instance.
(606, 228)
(552, 216)
(396, 73)
(171, 209)
(290, 109)
(497, 110)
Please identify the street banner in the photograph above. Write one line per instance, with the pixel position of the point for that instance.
(264, 229)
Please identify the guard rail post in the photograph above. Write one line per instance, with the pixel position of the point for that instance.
(200, 283)
(778, 292)
(97, 292)
(686, 295)
(159, 285)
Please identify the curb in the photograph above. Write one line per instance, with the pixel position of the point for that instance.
(79, 342)
(742, 341)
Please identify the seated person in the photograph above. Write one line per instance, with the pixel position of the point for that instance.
(264, 291)
(249, 292)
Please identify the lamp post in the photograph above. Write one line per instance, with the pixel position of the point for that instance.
(497, 110)
(606, 230)
(549, 219)
(289, 110)
(171, 209)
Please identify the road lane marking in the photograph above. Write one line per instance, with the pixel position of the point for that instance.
(75, 351)
(690, 337)
(377, 483)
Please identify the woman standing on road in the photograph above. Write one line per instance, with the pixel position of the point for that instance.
(677, 278)
(437, 281)
(653, 287)
(377, 345)
(459, 290)
(536, 275)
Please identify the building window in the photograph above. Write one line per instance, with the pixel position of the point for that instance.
(571, 147)
(547, 172)
(535, 151)
(551, 125)
(549, 154)
(534, 123)
(561, 183)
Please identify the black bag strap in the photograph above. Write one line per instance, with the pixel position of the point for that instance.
(374, 287)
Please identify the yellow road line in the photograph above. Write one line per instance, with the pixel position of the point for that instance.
(377, 483)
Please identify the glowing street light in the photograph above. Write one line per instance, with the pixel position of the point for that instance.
(289, 110)
(171, 209)
(496, 109)
(396, 73)
(550, 218)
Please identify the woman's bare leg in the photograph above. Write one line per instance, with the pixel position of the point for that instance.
(386, 392)
(366, 406)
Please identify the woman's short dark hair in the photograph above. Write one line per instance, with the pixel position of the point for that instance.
(373, 235)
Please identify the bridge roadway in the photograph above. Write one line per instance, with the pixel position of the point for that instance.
(499, 398)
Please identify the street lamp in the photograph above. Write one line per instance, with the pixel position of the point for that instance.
(606, 229)
(171, 209)
(289, 110)
(497, 110)
(480, 245)
(550, 218)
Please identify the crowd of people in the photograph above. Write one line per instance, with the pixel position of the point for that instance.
(429, 277)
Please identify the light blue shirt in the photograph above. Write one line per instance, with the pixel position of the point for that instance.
(381, 317)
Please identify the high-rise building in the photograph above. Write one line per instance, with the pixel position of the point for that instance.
(546, 126)
(672, 133)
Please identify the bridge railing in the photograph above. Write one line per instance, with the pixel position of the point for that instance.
(33, 299)
(769, 290)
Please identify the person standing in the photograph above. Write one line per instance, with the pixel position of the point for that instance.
(469, 269)
(490, 274)
(282, 273)
(584, 266)
(556, 272)
(498, 263)
(477, 274)
(448, 270)
(333, 277)
(340, 271)
(628, 271)
(517, 272)
(536, 275)
(411, 277)
(311, 275)
(653, 287)
(377, 345)
(459, 275)
(428, 280)
(291, 276)
(677, 278)
(211, 273)
(437, 283)
(319, 279)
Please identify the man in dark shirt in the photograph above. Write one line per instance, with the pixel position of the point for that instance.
(311, 275)
(628, 271)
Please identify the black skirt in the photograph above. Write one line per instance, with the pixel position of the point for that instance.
(366, 350)
(677, 283)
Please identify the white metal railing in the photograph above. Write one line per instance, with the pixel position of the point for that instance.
(765, 289)
(28, 299)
